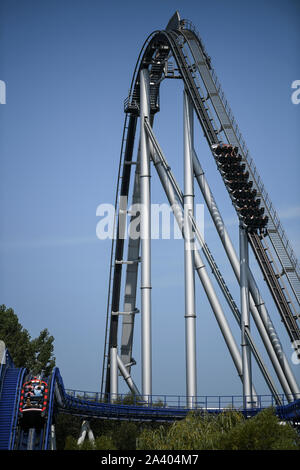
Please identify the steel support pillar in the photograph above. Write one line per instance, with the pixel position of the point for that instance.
(245, 319)
(145, 238)
(85, 431)
(53, 438)
(169, 185)
(292, 386)
(257, 305)
(189, 263)
(113, 374)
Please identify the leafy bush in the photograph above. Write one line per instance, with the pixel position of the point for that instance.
(226, 431)
(262, 432)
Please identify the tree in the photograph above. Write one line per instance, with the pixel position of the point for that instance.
(262, 432)
(42, 348)
(225, 431)
(16, 338)
(67, 427)
(125, 435)
(34, 354)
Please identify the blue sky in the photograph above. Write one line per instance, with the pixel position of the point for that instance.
(68, 66)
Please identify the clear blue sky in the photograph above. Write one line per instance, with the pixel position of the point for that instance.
(68, 67)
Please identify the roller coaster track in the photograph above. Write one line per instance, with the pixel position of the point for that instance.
(276, 289)
(179, 43)
(178, 52)
(89, 405)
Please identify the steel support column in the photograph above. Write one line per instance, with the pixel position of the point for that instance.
(189, 263)
(257, 305)
(53, 438)
(113, 374)
(245, 319)
(169, 184)
(294, 393)
(145, 238)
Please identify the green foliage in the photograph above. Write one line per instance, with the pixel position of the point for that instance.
(101, 443)
(66, 426)
(42, 348)
(16, 338)
(225, 431)
(125, 435)
(71, 443)
(262, 432)
(195, 432)
(34, 354)
(109, 435)
(104, 443)
(198, 431)
(128, 399)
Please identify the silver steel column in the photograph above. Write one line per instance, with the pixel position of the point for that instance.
(85, 430)
(169, 184)
(189, 262)
(245, 318)
(257, 305)
(145, 239)
(113, 374)
(267, 322)
(53, 438)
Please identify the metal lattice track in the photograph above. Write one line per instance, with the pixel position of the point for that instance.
(233, 137)
(230, 129)
(275, 288)
(117, 244)
(183, 44)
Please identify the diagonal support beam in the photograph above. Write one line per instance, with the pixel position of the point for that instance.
(127, 377)
(169, 184)
(257, 304)
(159, 155)
(131, 277)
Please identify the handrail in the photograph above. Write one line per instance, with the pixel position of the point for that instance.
(203, 402)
